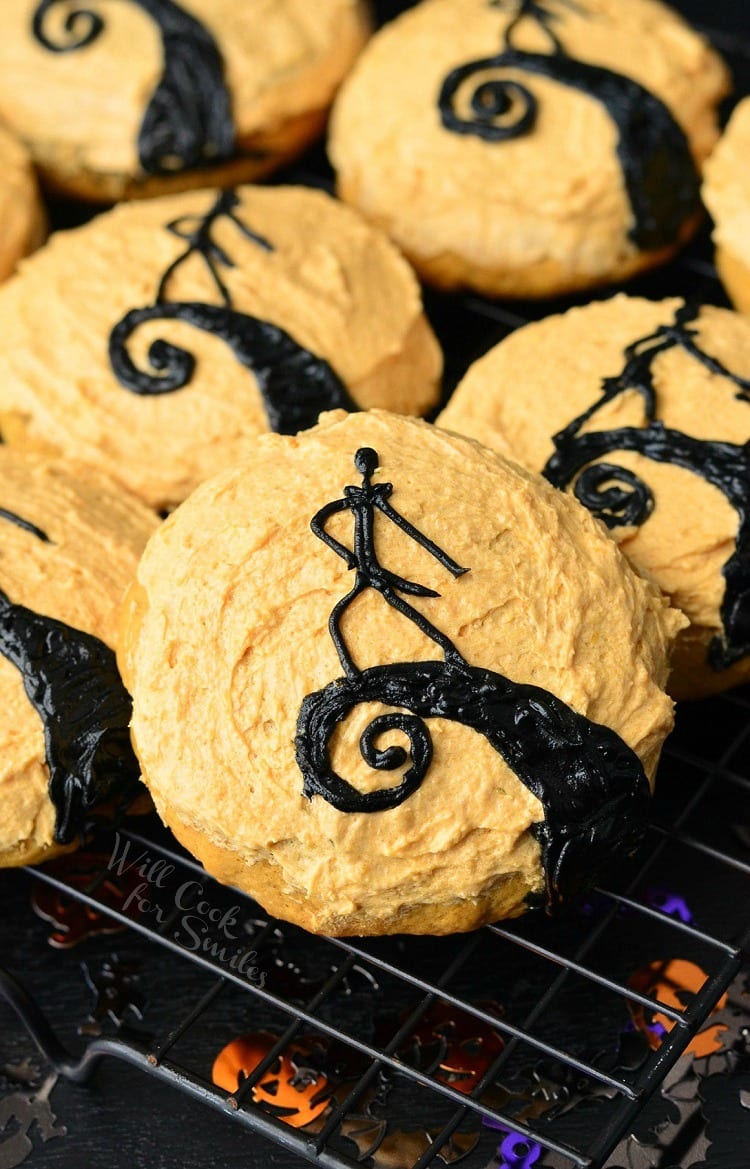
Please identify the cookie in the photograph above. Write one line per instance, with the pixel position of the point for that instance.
(527, 148)
(70, 544)
(400, 685)
(642, 411)
(726, 193)
(151, 96)
(21, 213)
(176, 330)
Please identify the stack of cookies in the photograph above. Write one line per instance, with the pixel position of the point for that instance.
(383, 674)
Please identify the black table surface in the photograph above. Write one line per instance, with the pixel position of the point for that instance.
(122, 1118)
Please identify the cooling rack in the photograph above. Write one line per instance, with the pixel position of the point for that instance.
(536, 1043)
(536, 1032)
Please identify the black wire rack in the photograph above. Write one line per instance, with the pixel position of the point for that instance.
(558, 972)
(536, 1029)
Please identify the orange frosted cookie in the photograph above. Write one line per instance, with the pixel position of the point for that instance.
(176, 330)
(148, 96)
(385, 681)
(21, 213)
(530, 147)
(71, 539)
(640, 409)
(726, 192)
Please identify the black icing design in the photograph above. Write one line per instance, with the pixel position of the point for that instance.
(82, 27)
(188, 122)
(614, 494)
(71, 680)
(296, 385)
(591, 785)
(659, 173)
(619, 497)
(25, 525)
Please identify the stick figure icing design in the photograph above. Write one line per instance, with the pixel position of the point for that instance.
(234, 313)
(296, 386)
(433, 684)
(591, 786)
(658, 448)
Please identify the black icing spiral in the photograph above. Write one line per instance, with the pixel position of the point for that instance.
(614, 495)
(591, 785)
(391, 758)
(322, 712)
(296, 385)
(499, 107)
(724, 465)
(81, 25)
(171, 368)
(657, 165)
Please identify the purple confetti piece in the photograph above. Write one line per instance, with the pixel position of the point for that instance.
(669, 903)
(515, 1150)
(518, 1152)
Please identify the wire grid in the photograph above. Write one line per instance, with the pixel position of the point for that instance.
(707, 765)
(720, 959)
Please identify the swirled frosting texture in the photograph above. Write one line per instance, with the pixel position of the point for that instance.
(21, 213)
(82, 109)
(726, 192)
(289, 257)
(226, 631)
(532, 215)
(539, 379)
(93, 534)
